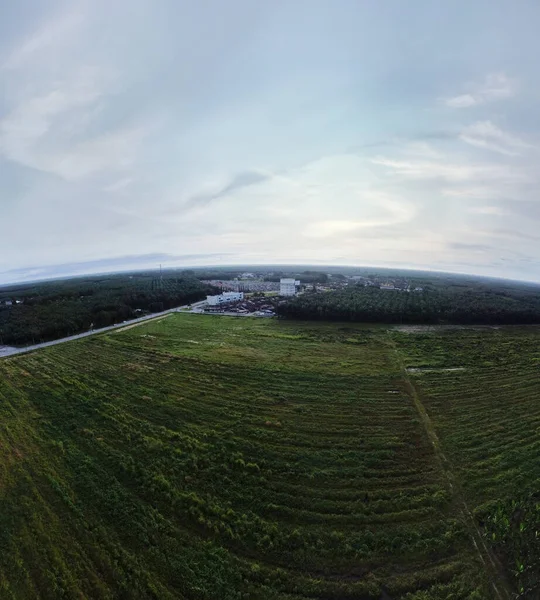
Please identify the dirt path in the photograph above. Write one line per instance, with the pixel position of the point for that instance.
(501, 587)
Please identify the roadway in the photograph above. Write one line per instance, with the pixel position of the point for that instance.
(6, 351)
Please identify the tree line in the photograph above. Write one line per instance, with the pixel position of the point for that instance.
(51, 310)
(459, 306)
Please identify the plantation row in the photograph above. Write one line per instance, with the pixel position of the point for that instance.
(373, 305)
(487, 415)
(207, 457)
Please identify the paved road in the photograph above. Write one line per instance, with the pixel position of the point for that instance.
(8, 351)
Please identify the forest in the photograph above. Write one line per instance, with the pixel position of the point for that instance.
(32, 313)
(436, 304)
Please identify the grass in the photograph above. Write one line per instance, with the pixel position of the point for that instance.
(209, 457)
(487, 417)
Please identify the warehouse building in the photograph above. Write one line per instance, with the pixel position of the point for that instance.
(224, 298)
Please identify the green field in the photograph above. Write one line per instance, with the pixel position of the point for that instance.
(210, 457)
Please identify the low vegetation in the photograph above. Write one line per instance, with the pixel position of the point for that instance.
(487, 415)
(212, 457)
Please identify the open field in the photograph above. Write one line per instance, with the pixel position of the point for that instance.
(483, 395)
(218, 458)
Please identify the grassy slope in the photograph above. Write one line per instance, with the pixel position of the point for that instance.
(208, 457)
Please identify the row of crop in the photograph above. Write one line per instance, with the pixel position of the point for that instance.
(333, 478)
(151, 407)
(332, 456)
(487, 418)
(219, 458)
(215, 519)
(160, 472)
(203, 463)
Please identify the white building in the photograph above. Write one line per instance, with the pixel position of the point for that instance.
(287, 287)
(224, 298)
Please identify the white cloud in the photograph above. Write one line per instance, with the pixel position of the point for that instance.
(60, 29)
(52, 131)
(495, 211)
(480, 191)
(496, 86)
(118, 185)
(463, 101)
(484, 134)
(423, 150)
(380, 211)
(57, 93)
(114, 151)
(37, 117)
(447, 171)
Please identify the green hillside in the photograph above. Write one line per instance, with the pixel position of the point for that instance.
(205, 457)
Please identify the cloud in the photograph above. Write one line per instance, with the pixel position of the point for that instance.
(479, 191)
(36, 116)
(447, 171)
(463, 101)
(131, 262)
(468, 247)
(512, 234)
(114, 151)
(451, 173)
(495, 211)
(496, 86)
(62, 27)
(121, 136)
(52, 132)
(484, 134)
(119, 184)
(526, 209)
(239, 181)
(57, 115)
(380, 211)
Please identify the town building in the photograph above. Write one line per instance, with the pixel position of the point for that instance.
(388, 286)
(244, 286)
(288, 287)
(224, 298)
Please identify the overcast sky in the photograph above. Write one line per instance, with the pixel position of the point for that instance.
(387, 133)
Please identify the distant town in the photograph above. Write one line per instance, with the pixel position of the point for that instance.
(258, 294)
(37, 312)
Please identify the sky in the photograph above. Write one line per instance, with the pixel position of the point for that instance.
(388, 133)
